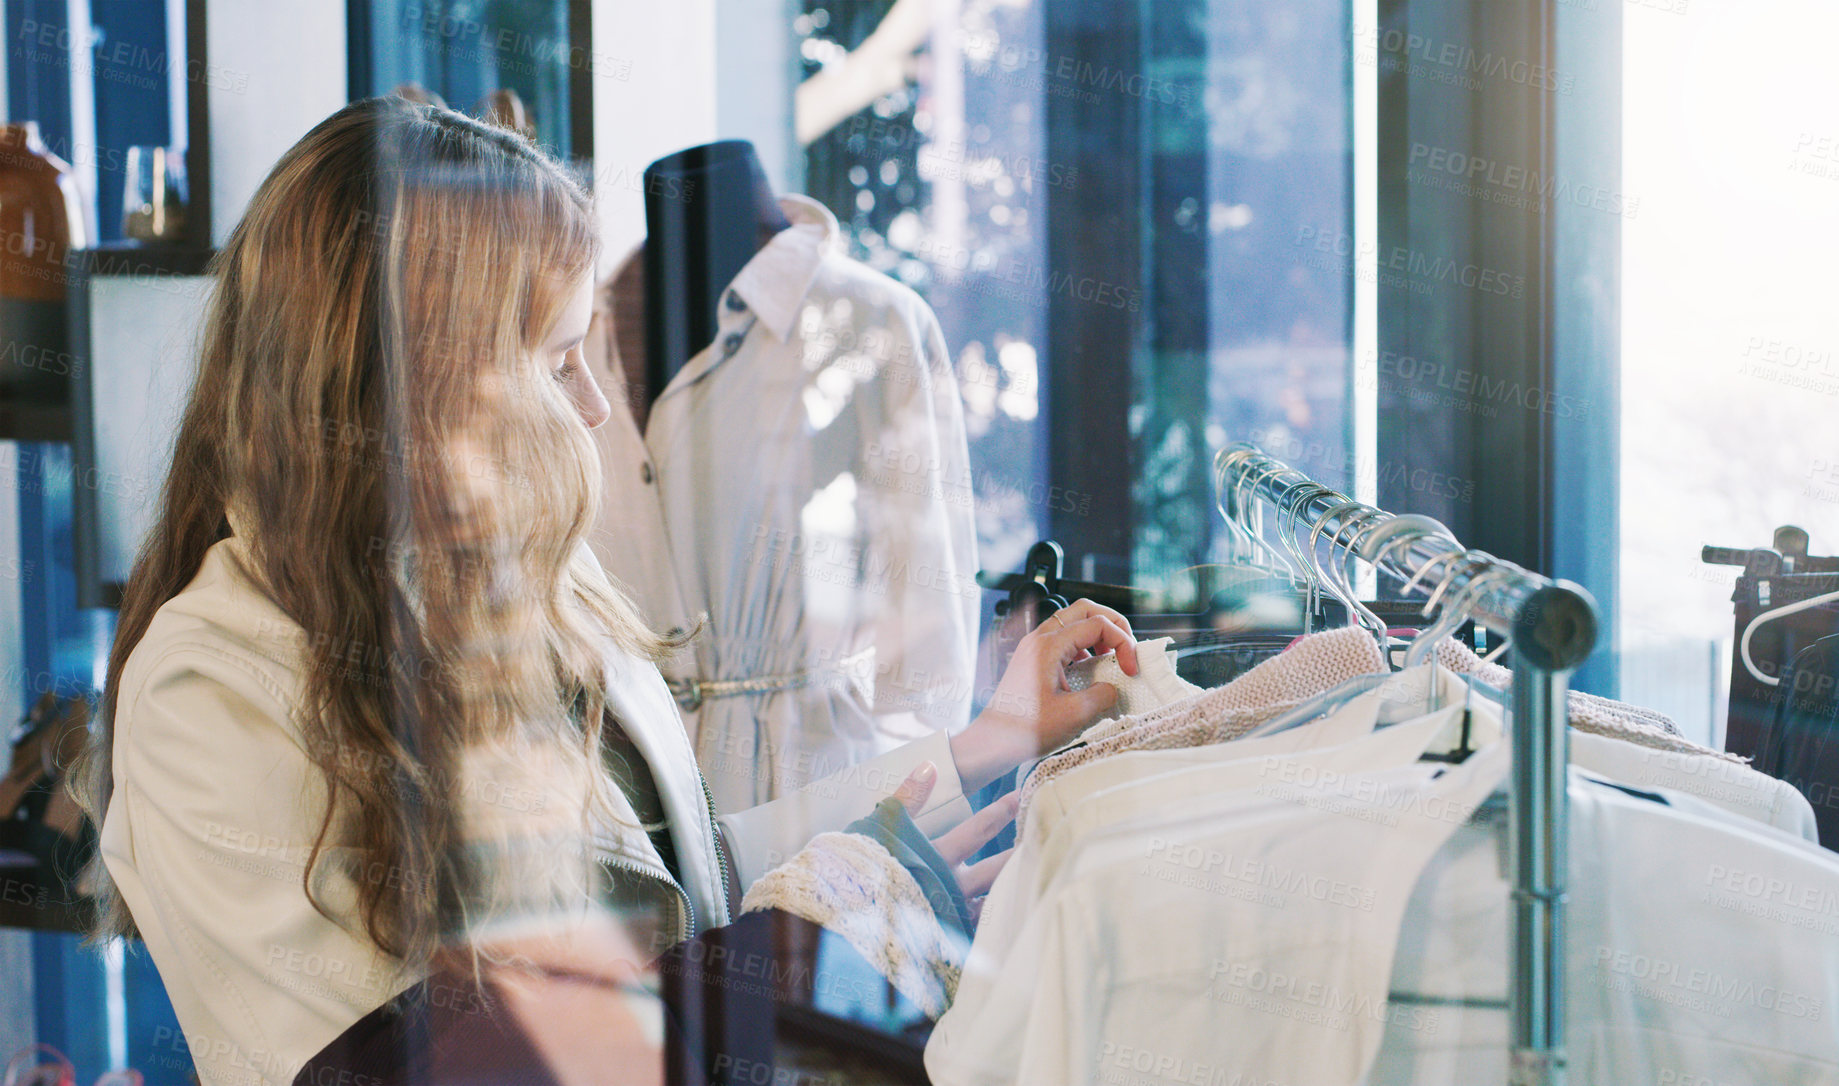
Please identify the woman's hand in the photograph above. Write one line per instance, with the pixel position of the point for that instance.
(1034, 711)
(962, 841)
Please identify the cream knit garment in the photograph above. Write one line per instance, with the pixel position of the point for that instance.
(1315, 664)
(1154, 685)
(1588, 712)
(850, 884)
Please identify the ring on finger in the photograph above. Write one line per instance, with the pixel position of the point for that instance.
(1060, 620)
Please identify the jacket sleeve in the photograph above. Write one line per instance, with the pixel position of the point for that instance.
(920, 534)
(763, 837)
(207, 835)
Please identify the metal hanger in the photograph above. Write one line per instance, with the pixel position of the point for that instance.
(1345, 593)
(1455, 613)
(1246, 497)
(1365, 521)
(1237, 535)
(1770, 616)
(1287, 516)
(1410, 526)
(1242, 513)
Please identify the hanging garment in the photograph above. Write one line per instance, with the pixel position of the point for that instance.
(1315, 664)
(1153, 686)
(1729, 785)
(1775, 644)
(1252, 939)
(1633, 753)
(1083, 804)
(1311, 665)
(1588, 712)
(804, 484)
(1700, 948)
(1801, 743)
(1184, 730)
(1344, 724)
(1645, 758)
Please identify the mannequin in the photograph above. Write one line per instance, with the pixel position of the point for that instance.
(703, 512)
(708, 211)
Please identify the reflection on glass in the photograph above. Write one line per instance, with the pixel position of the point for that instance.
(506, 60)
(1235, 119)
(153, 195)
(940, 181)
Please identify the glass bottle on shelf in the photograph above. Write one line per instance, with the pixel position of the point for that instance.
(41, 216)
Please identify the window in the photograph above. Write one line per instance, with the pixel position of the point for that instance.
(1731, 353)
(464, 50)
(1104, 207)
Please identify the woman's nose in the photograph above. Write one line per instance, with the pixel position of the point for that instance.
(590, 402)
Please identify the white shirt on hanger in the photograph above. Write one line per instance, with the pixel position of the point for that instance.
(1735, 787)
(1254, 939)
(1701, 948)
(1068, 812)
(1729, 786)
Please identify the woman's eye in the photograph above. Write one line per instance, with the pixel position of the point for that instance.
(565, 371)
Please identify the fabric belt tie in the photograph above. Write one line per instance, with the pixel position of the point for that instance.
(692, 692)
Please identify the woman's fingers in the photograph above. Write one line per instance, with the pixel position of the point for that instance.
(1084, 608)
(1091, 701)
(962, 841)
(977, 879)
(1099, 634)
(913, 791)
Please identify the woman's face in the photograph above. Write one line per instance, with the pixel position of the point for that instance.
(562, 357)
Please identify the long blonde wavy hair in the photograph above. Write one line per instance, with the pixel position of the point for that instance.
(368, 401)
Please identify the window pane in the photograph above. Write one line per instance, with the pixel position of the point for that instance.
(1730, 349)
(1226, 127)
(463, 50)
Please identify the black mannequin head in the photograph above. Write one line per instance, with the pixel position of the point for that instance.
(708, 210)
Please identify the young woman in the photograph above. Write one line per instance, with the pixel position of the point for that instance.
(372, 702)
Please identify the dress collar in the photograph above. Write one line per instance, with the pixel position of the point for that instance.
(774, 283)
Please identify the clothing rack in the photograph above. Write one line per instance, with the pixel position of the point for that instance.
(1552, 626)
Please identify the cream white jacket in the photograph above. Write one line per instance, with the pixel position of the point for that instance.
(216, 805)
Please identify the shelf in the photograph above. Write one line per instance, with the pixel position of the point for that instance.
(129, 260)
(32, 897)
(28, 421)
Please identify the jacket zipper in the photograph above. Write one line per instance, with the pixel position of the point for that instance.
(686, 916)
(686, 912)
(721, 852)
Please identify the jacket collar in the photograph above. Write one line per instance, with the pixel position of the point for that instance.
(774, 283)
(643, 704)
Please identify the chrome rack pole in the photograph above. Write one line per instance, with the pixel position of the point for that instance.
(1553, 633)
(1552, 625)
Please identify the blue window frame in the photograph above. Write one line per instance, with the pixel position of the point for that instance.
(100, 1016)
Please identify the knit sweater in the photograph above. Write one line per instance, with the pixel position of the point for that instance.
(1588, 712)
(1315, 664)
